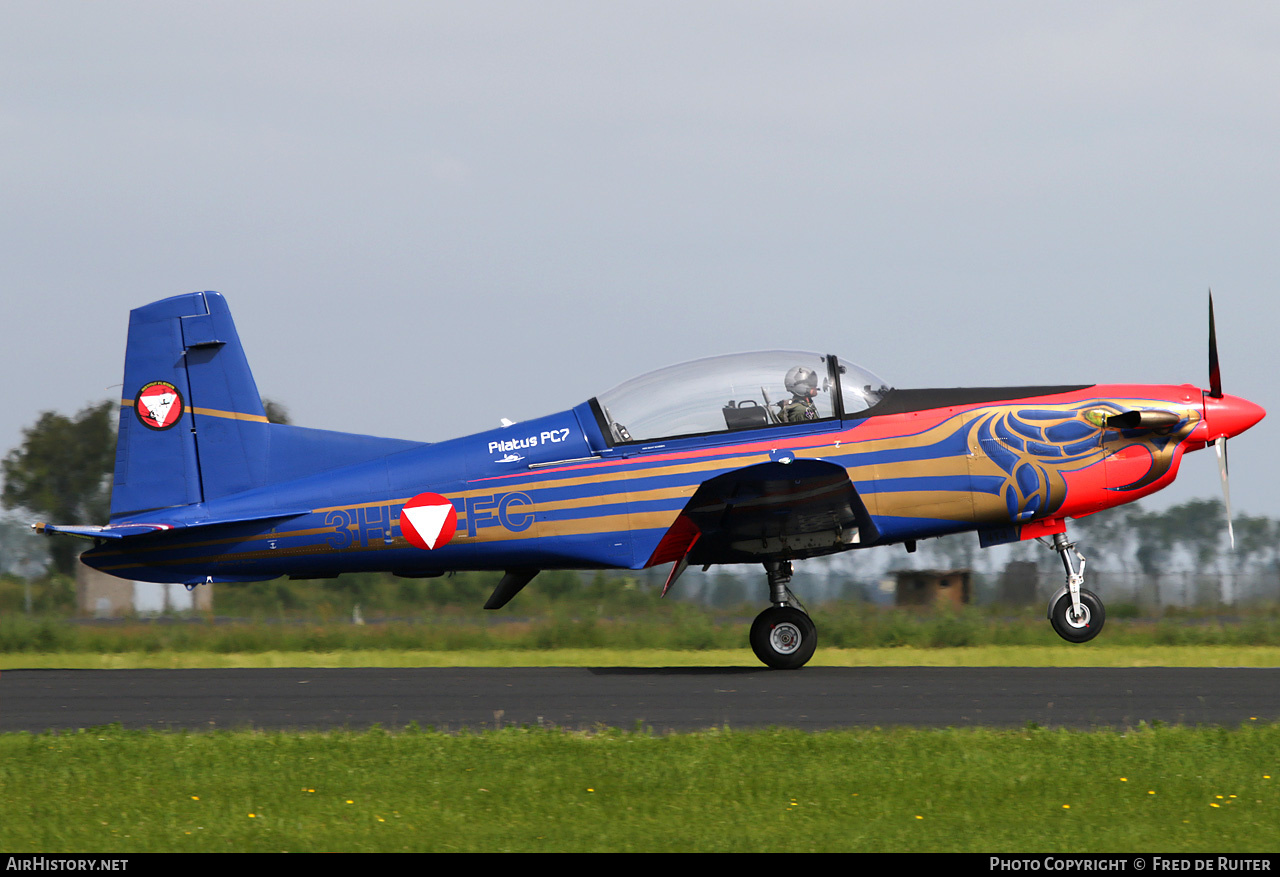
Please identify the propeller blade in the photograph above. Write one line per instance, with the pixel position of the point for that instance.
(1215, 376)
(1220, 445)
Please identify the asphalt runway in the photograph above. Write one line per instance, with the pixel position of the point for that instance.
(658, 699)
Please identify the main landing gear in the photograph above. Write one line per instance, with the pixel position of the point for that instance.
(783, 636)
(1077, 615)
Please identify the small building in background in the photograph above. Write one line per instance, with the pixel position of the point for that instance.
(1019, 583)
(105, 596)
(933, 587)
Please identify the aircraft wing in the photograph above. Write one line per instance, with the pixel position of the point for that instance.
(777, 510)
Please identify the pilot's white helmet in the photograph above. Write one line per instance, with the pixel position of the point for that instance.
(801, 381)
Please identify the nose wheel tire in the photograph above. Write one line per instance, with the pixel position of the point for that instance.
(783, 638)
(1079, 629)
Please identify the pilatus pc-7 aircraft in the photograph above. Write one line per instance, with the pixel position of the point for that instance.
(759, 458)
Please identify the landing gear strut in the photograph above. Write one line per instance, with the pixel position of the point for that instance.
(783, 636)
(1077, 615)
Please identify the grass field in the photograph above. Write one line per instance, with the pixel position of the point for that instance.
(1171, 789)
(906, 656)
(1160, 788)
(674, 635)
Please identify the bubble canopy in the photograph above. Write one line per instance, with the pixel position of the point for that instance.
(734, 392)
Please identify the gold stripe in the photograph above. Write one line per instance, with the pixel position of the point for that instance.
(939, 467)
(599, 499)
(230, 415)
(749, 459)
(948, 505)
(605, 524)
(577, 527)
(213, 412)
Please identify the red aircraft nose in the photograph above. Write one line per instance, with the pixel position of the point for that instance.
(1226, 416)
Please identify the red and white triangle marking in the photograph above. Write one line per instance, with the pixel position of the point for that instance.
(159, 405)
(428, 521)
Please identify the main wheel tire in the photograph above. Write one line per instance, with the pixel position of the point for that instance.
(1078, 630)
(783, 638)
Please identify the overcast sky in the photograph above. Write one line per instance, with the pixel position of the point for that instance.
(429, 216)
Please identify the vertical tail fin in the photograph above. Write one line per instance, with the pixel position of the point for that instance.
(192, 425)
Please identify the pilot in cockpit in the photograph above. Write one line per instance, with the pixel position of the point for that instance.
(802, 384)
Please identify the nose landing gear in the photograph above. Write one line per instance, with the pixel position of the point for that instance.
(1076, 614)
(783, 636)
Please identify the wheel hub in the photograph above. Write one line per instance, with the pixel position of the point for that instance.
(785, 638)
(1081, 621)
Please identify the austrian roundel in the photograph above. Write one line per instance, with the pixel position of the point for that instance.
(158, 405)
(428, 521)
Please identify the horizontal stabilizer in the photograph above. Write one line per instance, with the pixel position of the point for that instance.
(126, 530)
(88, 531)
